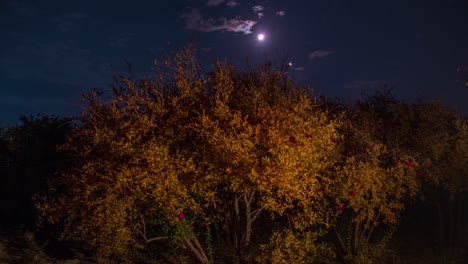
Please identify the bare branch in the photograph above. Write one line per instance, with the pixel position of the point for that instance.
(236, 207)
(156, 239)
(374, 223)
(252, 194)
(340, 240)
(357, 242)
(144, 225)
(256, 212)
(143, 234)
(200, 255)
(197, 244)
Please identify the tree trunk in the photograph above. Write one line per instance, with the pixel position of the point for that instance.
(245, 241)
(442, 233)
(451, 227)
(193, 244)
(357, 240)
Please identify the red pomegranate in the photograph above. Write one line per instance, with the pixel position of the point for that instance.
(181, 216)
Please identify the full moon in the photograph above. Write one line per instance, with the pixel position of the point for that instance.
(260, 37)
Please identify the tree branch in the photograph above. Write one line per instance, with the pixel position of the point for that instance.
(144, 225)
(374, 223)
(364, 228)
(340, 240)
(156, 239)
(201, 250)
(256, 212)
(201, 257)
(356, 238)
(236, 206)
(251, 196)
(143, 234)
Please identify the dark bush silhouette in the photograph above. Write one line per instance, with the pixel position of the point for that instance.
(28, 159)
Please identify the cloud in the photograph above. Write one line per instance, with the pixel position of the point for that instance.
(195, 21)
(232, 3)
(320, 54)
(214, 2)
(257, 8)
(280, 13)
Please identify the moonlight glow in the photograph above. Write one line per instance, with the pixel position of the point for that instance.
(260, 37)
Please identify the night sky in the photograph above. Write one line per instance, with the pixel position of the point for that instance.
(53, 51)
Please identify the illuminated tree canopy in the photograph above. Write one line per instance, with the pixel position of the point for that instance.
(202, 161)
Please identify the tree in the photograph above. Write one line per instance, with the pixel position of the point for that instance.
(265, 147)
(28, 159)
(438, 138)
(362, 193)
(369, 185)
(129, 188)
(166, 157)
